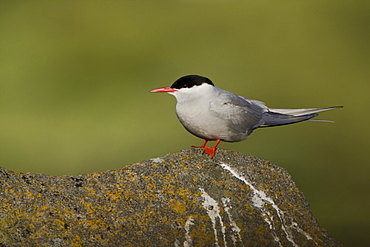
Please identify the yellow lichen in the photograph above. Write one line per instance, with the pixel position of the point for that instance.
(179, 207)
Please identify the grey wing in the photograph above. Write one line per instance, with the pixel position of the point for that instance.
(242, 115)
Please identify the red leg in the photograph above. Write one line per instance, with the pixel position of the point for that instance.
(203, 145)
(212, 150)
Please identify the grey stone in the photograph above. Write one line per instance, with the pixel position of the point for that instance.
(182, 199)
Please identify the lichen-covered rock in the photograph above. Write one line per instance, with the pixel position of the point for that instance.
(182, 199)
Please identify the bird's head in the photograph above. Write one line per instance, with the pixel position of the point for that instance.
(189, 85)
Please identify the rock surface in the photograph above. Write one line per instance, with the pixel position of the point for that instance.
(182, 199)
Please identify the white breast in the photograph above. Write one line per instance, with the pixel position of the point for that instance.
(193, 111)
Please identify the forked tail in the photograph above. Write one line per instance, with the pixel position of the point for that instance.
(276, 117)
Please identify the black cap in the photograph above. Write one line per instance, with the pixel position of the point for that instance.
(189, 81)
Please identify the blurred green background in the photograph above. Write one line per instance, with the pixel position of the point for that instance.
(75, 79)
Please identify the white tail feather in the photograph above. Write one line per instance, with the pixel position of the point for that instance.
(320, 120)
(301, 112)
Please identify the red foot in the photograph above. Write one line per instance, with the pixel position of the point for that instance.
(212, 150)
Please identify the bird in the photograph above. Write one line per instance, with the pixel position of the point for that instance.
(214, 114)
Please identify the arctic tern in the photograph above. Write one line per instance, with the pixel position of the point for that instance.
(213, 114)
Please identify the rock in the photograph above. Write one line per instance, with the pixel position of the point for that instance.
(182, 199)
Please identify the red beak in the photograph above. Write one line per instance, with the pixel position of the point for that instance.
(163, 90)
